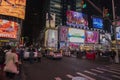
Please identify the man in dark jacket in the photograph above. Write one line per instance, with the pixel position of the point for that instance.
(112, 55)
(31, 54)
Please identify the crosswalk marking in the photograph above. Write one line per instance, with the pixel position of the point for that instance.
(115, 69)
(97, 70)
(103, 77)
(97, 75)
(69, 76)
(108, 71)
(58, 78)
(83, 75)
(90, 72)
(116, 76)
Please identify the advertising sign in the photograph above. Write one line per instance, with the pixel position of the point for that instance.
(76, 19)
(76, 35)
(62, 45)
(97, 22)
(52, 38)
(63, 33)
(50, 20)
(118, 33)
(8, 29)
(91, 36)
(14, 8)
(105, 38)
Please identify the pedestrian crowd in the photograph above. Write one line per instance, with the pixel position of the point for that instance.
(11, 59)
(97, 54)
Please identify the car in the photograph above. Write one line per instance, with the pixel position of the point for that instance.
(54, 55)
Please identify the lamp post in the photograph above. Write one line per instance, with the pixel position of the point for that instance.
(117, 55)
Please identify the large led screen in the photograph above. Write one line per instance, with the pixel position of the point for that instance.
(14, 8)
(52, 38)
(118, 33)
(62, 45)
(105, 39)
(76, 35)
(8, 29)
(91, 36)
(76, 19)
(97, 22)
(63, 33)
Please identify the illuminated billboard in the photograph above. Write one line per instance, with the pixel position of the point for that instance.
(97, 22)
(105, 39)
(63, 33)
(51, 38)
(76, 19)
(91, 36)
(76, 35)
(8, 29)
(15, 8)
(118, 33)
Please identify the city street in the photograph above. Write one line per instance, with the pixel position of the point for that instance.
(70, 68)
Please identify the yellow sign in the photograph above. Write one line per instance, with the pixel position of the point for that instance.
(4, 40)
(14, 8)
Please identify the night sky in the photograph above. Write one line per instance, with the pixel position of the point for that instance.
(32, 25)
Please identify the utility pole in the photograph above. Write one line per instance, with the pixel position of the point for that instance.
(117, 55)
(98, 9)
(113, 10)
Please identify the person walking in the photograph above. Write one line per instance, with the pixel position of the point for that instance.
(112, 55)
(21, 54)
(11, 64)
(31, 54)
(39, 55)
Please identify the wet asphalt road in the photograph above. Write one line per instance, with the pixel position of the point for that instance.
(69, 68)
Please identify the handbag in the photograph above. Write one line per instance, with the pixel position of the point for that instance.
(11, 67)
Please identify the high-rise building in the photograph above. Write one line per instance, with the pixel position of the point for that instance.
(59, 7)
(54, 6)
(67, 5)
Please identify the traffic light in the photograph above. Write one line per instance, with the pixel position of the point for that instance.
(83, 4)
(106, 12)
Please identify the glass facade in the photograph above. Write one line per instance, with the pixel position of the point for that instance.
(55, 7)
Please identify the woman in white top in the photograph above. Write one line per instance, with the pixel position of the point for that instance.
(11, 64)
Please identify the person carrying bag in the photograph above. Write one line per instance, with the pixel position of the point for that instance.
(11, 64)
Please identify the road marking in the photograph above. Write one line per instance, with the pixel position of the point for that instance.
(114, 69)
(69, 76)
(57, 78)
(118, 69)
(83, 75)
(97, 75)
(90, 72)
(103, 77)
(108, 71)
(97, 70)
(116, 76)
